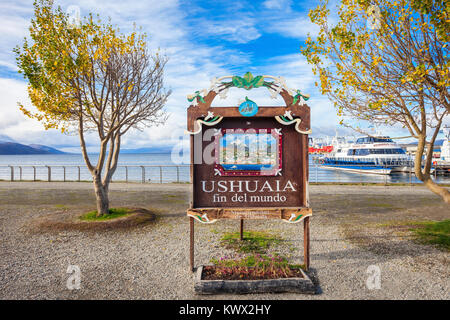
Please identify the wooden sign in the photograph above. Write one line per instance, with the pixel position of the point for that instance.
(249, 161)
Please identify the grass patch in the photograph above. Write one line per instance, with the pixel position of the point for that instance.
(380, 205)
(256, 260)
(61, 206)
(114, 213)
(174, 199)
(253, 241)
(433, 232)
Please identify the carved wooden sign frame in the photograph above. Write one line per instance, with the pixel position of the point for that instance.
(260, 156)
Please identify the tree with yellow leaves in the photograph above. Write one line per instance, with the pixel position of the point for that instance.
(88, 77)
(387, 62)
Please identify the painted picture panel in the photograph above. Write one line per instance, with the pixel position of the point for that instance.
(250, 152)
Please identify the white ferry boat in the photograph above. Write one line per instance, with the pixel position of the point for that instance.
(442, 164)
(374, 155)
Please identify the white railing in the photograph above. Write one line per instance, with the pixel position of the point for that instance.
(127, 173)
(318, 173)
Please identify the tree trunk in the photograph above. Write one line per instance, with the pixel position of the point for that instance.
(424, 175)
(101, 194)
(437, 189)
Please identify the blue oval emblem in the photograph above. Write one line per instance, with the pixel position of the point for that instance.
(248, 108)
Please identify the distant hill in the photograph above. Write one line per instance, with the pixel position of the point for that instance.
(46, 148)
(11, 148)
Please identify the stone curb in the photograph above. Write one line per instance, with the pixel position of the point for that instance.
(294, 285)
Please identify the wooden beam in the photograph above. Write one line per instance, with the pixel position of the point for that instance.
(306, 242)
(191, 244)
(250, 213)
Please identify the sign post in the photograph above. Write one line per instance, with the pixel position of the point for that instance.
(249, 161)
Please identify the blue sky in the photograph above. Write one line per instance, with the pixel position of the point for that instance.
(203, 39)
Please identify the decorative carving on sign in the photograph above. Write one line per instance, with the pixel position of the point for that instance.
(299, 96)
(203, 218)
(209, 120)
(248, 108)
(288, 119)
(297, 217)
(211, 215)
(196, 97)
(248, 82)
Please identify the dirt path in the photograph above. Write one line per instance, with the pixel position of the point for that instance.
(151, 262)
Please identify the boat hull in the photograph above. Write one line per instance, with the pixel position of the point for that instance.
(360, 169)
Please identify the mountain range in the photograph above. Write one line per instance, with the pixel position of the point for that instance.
(11, 148)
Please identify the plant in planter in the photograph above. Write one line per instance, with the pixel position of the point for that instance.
(252, 269)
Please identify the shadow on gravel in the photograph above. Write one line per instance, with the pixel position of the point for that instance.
(70, 221)
(312, 273)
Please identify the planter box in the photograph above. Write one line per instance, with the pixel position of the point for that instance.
(295, 285)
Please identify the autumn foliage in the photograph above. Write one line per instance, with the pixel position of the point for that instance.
(89, 77)
(387, 62)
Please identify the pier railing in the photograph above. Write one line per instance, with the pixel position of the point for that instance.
(127, 173)
(318, 173)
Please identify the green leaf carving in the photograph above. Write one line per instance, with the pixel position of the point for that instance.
(248, 81)
(248, 77)
(298, 95)
(238, 82)
(258, 81)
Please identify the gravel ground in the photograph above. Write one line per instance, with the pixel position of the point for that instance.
(151, 262)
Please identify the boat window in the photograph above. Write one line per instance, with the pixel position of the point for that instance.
(387, 151)
(382, 139)
(362, 152)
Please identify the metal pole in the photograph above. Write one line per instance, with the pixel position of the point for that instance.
(410, 174)
(317, 173)
(178, 174)
(143, 174)
(435, 172)
(49, 173)
(79, 174)
(64, 168)
(191, 244)
(241, 235)
(160, 174)
(306, 242)
(12, 173)
(385, 176)
(34, 173)
(126, 173)
(20, 173)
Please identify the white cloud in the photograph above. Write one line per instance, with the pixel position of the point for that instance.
(298, 28)
(277, 4)
(240, 30)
